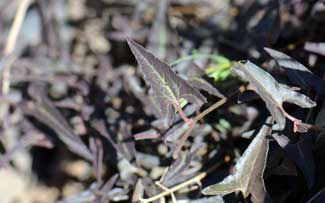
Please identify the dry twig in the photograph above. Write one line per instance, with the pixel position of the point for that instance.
(11, 42)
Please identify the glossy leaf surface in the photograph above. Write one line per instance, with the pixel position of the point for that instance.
(273, 93)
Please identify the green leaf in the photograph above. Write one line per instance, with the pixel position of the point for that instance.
(248, 171)
(220, 70)
(167, 86)
(183, 102)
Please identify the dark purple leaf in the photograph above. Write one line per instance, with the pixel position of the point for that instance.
(320, 119)
(97, 150)
(249, 169)
(278, 163)
(167, 86)
(177, 171)
(126, 141)
(282, 140)
(148, 101)
(148, 134)
(175, 132)
(100, 127)
(302, 154)
(194, 76)
(273, 93)
(296, 72)
(201, 84)
(317, 48)
(45, 112)
(269, 26)
(181, 163)
(107, 187)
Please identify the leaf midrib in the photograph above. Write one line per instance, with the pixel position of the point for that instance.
(163, 81)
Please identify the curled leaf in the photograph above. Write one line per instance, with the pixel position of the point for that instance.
(273, 94)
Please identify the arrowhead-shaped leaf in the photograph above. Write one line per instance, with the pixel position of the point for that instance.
(167, 86)
(248, 171)
(296, 72)
(273, 93)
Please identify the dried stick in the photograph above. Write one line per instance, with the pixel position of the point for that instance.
(11, 42)
(174, 189)
(195, 179)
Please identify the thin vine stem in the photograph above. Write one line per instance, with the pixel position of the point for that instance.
(195, 179)
(193, 57)
(199, 117)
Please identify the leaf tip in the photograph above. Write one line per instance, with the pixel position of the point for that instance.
(132, 44)
(267, 49)
(207, 191)
(130, 41)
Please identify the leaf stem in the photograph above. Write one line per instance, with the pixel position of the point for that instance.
(200, 116)
(187, 120)
(298, 125)
(192, 57)
(167, 189)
